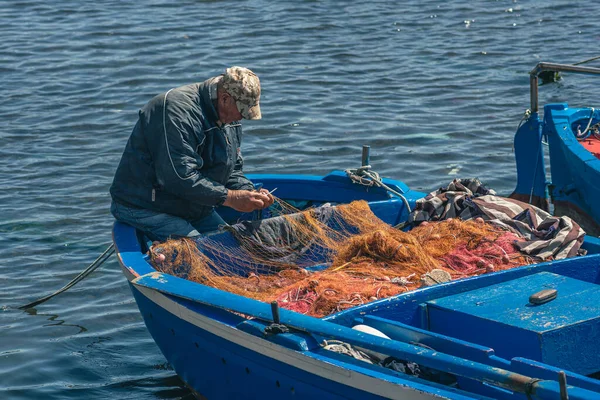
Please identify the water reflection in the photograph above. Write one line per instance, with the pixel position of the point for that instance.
(55, 319)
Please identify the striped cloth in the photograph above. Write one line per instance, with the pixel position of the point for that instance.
(546, 236)
(453, 201)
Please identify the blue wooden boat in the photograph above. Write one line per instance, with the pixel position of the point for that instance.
(574, 187)
(477, 338)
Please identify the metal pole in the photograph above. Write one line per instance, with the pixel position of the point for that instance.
(533, 92)
(275, 312)
(541, 67)
(562, 382)
(366, 155)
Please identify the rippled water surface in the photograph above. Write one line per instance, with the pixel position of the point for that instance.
(436, 88)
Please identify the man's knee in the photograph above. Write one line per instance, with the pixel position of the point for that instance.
(157, 226)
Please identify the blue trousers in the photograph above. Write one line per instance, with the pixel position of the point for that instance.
(159, 226)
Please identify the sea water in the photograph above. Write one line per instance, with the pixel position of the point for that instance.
(436, 88)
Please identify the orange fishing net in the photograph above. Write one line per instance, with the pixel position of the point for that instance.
(361, 259)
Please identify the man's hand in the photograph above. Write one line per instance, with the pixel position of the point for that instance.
(271, 198)
(247, 201)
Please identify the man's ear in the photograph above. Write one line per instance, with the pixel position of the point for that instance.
(224, 97)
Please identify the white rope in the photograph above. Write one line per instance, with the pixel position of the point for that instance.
(365, 177)
(581, 135)
(340, 347)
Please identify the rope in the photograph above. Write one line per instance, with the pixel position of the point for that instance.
(586, 61)
(82, 275)
(530, 387)
(275, 329)
(363, 176)
(535, 174)
(582, 135)
(525, 117)
(340, 347)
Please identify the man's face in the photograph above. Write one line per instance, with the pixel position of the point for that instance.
(228, 111)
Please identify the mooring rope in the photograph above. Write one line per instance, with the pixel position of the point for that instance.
(586, 61)
(82, 275)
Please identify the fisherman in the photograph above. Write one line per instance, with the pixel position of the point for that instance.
(183, 158)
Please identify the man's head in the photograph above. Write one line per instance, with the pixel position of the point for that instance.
(238, 95)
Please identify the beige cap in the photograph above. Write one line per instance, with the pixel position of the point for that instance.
(243, 85)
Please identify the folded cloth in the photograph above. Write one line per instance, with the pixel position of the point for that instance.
(450, 202)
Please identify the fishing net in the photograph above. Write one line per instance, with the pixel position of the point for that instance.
(327, 259)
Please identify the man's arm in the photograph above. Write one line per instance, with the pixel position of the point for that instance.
(241, 185)
(238, 180)
(172, 127)
(178, 164)
(238, 183)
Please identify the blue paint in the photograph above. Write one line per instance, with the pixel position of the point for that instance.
(188, 290)
(299, 341)
(574, 171)
(531, 180)
(544, 371)
(564, 331)
(446, 344)
(177, 340)
(215, 368)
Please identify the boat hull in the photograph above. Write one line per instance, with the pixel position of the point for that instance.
(574, 189)
(218, 361)
(208, 339)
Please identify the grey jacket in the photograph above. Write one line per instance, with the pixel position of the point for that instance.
(177, 160)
